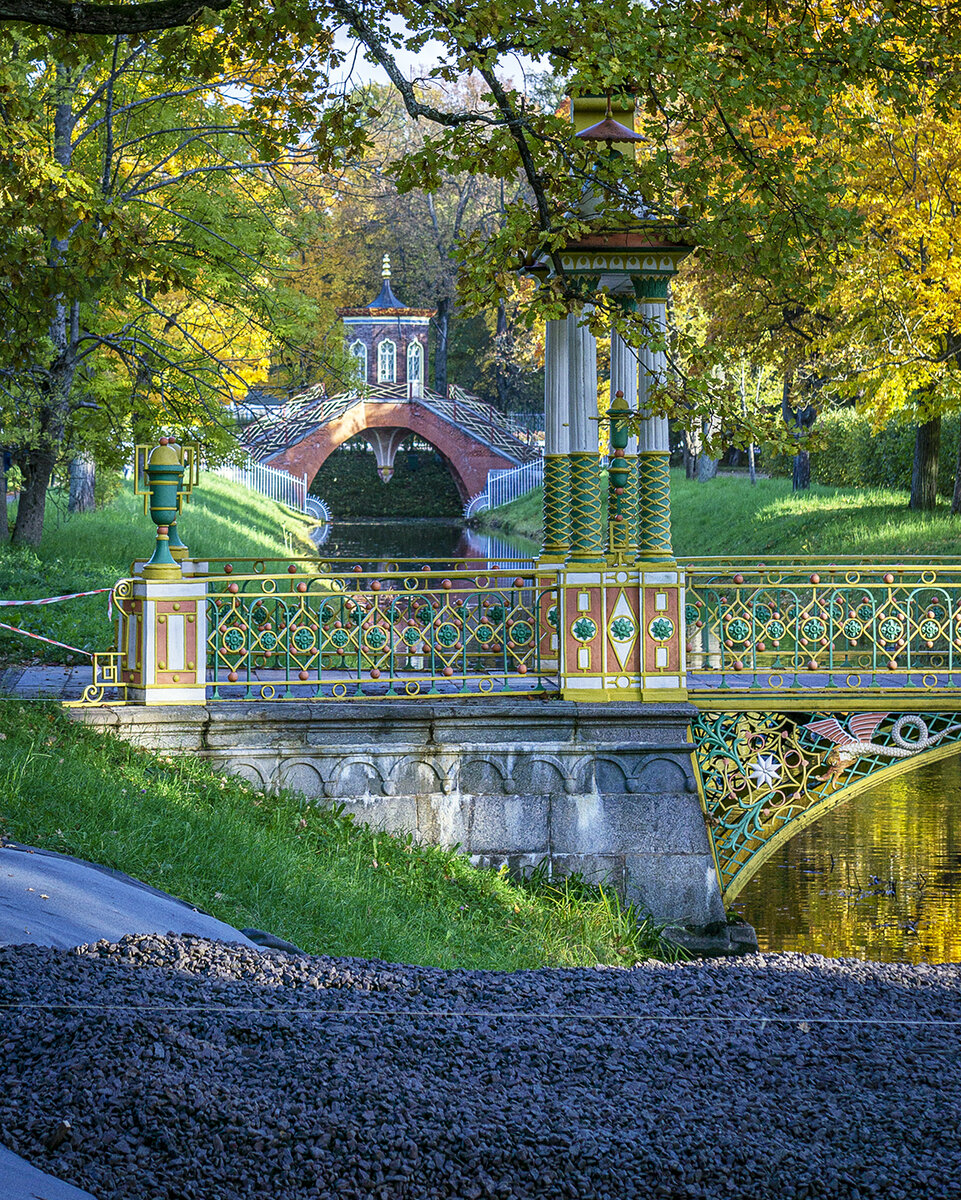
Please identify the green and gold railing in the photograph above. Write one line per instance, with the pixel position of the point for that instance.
(329, 630)
(803, 624)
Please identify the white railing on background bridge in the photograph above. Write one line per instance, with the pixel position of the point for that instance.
(275, 485)
(503, 486)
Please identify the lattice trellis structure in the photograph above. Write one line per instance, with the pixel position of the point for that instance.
(654, 536)
(301, 416)
(765, 775)
(588, 543)
(374, 634)
(557, 495)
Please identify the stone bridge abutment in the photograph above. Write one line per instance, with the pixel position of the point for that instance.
(606, 790)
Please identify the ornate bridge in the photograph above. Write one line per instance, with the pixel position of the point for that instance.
(472, 438)
(810, 680)
(700, 712)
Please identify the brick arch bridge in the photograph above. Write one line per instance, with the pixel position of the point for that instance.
(471, 437)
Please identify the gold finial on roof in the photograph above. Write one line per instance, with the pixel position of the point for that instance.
(386, 269)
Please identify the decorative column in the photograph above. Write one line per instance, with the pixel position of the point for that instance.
(556, 443)
(654, 448)
(624, 367)
(587, 534)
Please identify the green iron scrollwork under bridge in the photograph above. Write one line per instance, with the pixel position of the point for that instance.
(810, 679)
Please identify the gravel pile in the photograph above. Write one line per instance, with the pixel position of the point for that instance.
(173, 1067)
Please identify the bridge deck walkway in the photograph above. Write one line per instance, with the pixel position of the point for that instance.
(809, 692)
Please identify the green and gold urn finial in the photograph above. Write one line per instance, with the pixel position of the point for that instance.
(165, 480)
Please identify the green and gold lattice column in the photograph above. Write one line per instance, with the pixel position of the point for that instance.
(587, 531)
(557, 497)
(587, 540)
(654, 502)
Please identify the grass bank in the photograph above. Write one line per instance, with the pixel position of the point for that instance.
(93, 550)
(728, 516)
(304, 873)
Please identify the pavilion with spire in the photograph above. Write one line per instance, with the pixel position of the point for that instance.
(388, 340)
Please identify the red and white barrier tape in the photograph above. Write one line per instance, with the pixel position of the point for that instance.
(49, 641)
(54, 600)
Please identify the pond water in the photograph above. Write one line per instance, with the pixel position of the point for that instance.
(877, 878)
(437, 537)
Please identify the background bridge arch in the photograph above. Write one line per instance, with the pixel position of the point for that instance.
(468, 456)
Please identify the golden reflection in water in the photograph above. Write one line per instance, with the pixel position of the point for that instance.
(878, 878)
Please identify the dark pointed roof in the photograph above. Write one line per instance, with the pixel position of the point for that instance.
(386, 304)
(386, 298)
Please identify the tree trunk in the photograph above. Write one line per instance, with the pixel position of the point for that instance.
(83, 478)
(706, 466)
(38, 462)
(4, 526)
(956, 498)
(440, 345)
(37, 467)
(689, 452)
(924, 473)
(801, 475)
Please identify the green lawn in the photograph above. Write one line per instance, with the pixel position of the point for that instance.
(304, 873)
(94, 550)
(728, 516)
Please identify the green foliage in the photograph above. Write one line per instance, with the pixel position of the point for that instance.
(849, 452)
(421, 486)
(306, 873)
(727, 516)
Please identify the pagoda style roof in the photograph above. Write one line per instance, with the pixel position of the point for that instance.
(385, 303)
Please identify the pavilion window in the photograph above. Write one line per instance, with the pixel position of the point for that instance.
(359, 351)
(415, 365)
(386, 362)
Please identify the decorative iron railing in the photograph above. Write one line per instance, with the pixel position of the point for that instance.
(803, 624)
(356, 632)
(268, 481)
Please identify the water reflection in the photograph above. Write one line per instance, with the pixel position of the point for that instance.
(427, 538)
(878, 878)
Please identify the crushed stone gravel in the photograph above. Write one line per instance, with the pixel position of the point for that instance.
(177, 1068)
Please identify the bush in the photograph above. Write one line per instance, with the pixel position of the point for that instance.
(849, 453)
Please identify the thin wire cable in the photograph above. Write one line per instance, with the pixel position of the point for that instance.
(446, 1014)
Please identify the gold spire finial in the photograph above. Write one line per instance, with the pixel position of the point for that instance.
(386, 269)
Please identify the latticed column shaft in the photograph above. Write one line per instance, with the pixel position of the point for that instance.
(557, 501)
(556, 442)
(624, 371)
(654, 488)
(587, 541)
(654, 451)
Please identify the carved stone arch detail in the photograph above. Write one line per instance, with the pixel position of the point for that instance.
(484, 774)
(353, 776)
(301, 775)
(580, 773)
(612, 775)
(539, 774)
(243, 768)
(413, 775)
(662, 773)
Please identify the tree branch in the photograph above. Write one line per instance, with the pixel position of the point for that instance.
(107, 18)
